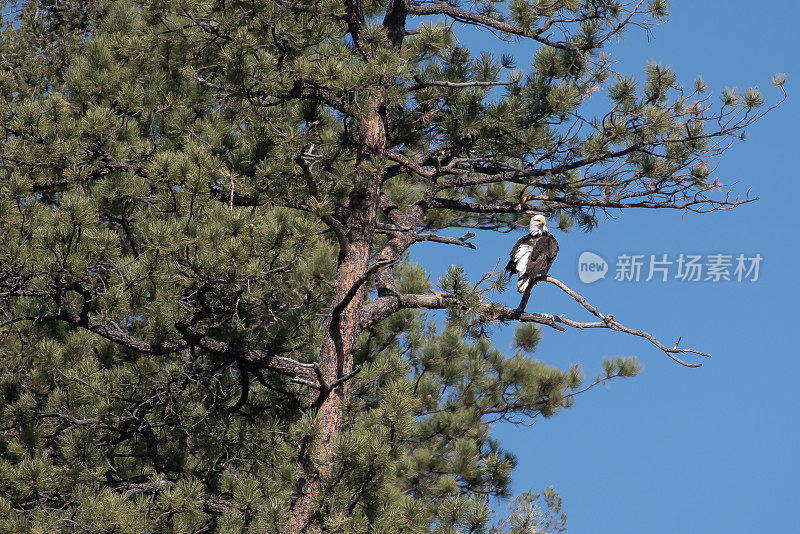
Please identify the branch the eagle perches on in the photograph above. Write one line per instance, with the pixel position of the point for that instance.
(608, 321)
(385, 306)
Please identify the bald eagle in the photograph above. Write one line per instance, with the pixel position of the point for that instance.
(533, 255)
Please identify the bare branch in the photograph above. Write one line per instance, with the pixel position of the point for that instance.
(460, 241)
(608, 321)
(456, 85)
(383, 307)
(416, 166)
(697, 203)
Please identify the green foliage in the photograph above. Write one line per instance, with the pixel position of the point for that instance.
(621, 366)
(527, 336)
(537, 512)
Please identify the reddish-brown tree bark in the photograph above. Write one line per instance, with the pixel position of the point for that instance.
(315, 458)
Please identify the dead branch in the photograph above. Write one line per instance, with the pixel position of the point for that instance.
(383, 307)
(608, 321)
(420, 84)
(391, 229)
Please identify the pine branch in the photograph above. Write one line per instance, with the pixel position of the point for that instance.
(351, 293)
(456, 85)
(608, 321)
(415, 166)
(255, 358)
(354, 18)
(303, 89)
(337, 227)
(462, 241)
(698, 203)
(209, 505)
(442, 8)
(385, 306)
(295, 5)
(395, 22)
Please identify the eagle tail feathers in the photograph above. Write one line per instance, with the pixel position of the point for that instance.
(522, 284)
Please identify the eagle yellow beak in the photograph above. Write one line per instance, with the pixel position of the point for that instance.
(542, 223)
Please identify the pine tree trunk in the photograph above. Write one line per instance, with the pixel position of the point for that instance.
(316, 457)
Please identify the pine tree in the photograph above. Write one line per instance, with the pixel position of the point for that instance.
(210, 321)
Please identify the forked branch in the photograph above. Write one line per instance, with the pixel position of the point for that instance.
(608, 321)
(383, 307)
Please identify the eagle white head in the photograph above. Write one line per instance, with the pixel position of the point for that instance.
(538, 225)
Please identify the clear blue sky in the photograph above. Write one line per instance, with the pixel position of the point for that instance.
(705, 450)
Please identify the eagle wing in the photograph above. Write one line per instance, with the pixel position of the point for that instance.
(522, 248)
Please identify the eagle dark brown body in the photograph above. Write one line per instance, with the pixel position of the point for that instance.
(532, 257)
